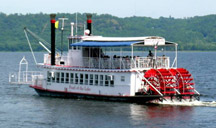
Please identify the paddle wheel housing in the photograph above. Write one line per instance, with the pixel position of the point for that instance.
(169, 82)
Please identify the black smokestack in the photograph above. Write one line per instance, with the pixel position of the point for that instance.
(89, 23)
(52, 21)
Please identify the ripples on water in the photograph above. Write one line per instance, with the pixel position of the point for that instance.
(21, 107)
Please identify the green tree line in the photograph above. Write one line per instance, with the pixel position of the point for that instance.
(194, 33)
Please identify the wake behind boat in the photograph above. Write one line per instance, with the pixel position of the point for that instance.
(110, 68)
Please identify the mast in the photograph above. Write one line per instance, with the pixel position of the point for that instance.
(76, 24)
(72, 24)
(62, 31)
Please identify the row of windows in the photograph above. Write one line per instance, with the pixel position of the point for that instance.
(80, 78)
(75, 47)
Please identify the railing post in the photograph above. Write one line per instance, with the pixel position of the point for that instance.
(88, 62)
(99, 62)
(110, 66)
(120, 62)
(168, 62)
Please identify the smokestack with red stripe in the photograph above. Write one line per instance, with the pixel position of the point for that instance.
(52, 22)
(89, 23)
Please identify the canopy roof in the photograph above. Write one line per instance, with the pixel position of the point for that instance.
(121, 41)
(104, 43)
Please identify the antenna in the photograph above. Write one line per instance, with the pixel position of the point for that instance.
(62, 31)
(76, 23)
(72, 24)
(84, 29)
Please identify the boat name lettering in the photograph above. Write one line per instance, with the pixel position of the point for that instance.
(79, 88)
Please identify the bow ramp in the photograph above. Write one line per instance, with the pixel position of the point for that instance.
(170, 83)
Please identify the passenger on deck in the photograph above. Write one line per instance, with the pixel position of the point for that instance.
(150, 54)
(163, 61)
(151, 61)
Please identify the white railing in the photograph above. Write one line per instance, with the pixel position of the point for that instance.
(58, 59)
(112, 63)
(23, 77)
(37, 80)
(107, 63)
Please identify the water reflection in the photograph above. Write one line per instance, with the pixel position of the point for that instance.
(154, 114)
(82, 113)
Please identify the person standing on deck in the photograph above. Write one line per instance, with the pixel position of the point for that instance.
(150, 56)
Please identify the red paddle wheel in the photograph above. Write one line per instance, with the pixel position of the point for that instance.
(162, 79)
(185, 81)
(169, 81)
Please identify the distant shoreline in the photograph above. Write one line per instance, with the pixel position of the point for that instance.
(195, 33)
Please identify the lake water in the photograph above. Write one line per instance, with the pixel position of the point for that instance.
(21, 107)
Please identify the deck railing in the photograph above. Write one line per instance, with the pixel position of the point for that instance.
(24, 77)
(37, 80)
(126, 63)
(112, 63)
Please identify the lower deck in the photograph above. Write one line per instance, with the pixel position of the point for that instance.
(89, 82)
(118, 83)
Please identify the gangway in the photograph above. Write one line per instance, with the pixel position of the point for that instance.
(23, 77)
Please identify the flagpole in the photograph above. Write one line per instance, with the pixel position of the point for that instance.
(62, 31)
(155, 57)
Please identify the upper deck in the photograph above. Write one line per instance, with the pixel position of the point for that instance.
(98, 52)
(111, 62)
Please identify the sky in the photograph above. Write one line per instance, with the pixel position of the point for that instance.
(120, 8)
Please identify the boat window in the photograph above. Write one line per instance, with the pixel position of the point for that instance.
(48, 76)
(91, 79)
(67, 78)
(62, 77)
(106, 80)
(57, 77)
(53, 74)
(101, 80)
(71, 78)
(86, 79)
(122, 78)
(112, 82)
(76, 78)
(96, 79)
(81, 78)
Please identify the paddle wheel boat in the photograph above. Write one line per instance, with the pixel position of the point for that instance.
(113, 69)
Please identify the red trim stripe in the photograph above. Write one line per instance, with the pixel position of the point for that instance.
(89, 21)
(52, 21)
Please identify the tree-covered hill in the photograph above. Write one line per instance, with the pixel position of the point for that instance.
(195, 33)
